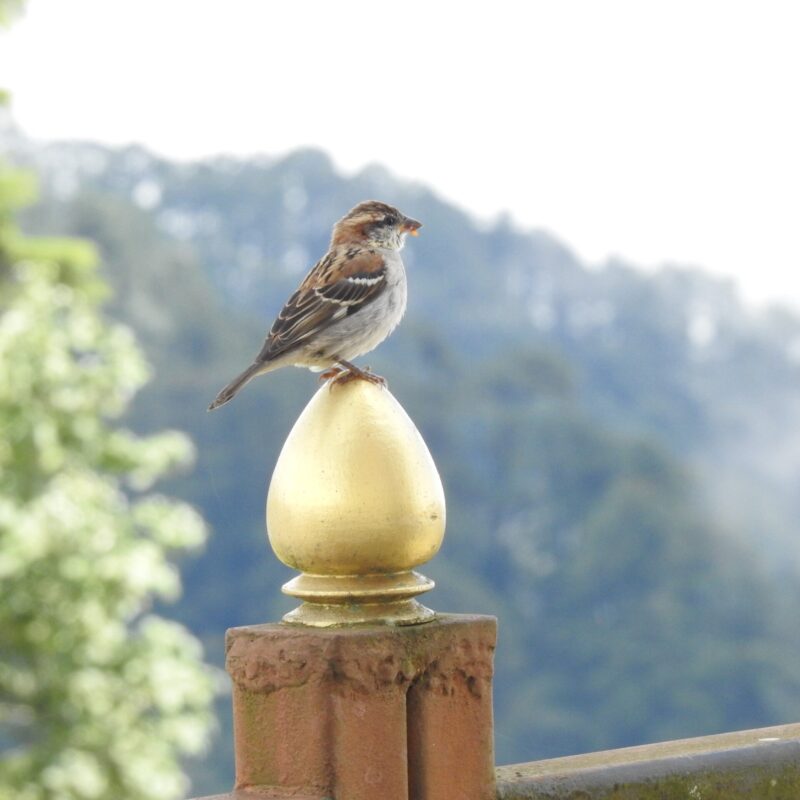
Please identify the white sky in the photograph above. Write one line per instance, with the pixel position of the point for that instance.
(658, 131)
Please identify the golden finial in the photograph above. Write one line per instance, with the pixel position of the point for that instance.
(355, 503)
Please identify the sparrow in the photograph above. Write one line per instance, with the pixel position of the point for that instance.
(349, 302)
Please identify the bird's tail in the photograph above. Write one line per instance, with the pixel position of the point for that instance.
(230, 391)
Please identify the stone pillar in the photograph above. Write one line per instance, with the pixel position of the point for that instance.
(365, 713)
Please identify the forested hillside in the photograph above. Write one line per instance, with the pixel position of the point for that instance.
(620, 450)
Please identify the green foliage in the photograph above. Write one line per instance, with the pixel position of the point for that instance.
(98, 695)
(17, 189)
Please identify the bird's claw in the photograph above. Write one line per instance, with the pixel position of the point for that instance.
(341, 376)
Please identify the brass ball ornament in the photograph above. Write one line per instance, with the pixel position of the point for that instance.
(355, 503)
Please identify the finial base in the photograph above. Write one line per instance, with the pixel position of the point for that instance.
(403, 612)
(377, 599)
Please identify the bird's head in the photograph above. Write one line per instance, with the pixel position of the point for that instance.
(374, 223)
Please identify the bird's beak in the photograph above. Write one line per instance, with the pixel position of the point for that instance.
(411, 226)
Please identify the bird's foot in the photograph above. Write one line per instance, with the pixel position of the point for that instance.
(362, 375)
(340, 376)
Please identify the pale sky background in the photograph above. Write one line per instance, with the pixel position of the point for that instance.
(655, 131)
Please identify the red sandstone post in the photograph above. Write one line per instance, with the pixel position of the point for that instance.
(361, 693)
(365, 712)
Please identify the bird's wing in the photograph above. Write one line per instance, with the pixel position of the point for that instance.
(341, 283)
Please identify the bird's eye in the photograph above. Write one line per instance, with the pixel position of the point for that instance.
(389, 220)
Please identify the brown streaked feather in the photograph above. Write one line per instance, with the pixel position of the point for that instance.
(343, 281)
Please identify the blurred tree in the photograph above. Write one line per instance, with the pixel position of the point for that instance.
(98, 696)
